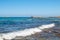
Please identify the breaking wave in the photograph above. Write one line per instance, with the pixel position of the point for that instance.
(25, 32)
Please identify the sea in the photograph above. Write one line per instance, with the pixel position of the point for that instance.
(12, 24)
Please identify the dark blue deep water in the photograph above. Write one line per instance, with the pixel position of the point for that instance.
(10, 24)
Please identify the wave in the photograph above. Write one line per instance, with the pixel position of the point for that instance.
(26, 32)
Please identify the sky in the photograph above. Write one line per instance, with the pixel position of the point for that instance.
(20, 8)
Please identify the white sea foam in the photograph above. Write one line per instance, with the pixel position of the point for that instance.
(25, 32)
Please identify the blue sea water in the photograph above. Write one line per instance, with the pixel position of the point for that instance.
(10, 24)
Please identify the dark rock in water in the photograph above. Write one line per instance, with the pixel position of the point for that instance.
(36, 36)
(56, 32)
(46, 34)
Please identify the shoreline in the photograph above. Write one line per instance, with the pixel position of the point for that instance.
(26, 32)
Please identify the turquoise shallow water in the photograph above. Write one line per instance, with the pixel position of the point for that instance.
(9, 24)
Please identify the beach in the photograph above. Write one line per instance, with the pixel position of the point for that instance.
(27, 28)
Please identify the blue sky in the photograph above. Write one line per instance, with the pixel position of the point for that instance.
(17, 8)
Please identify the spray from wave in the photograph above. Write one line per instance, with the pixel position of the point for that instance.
(25, 32)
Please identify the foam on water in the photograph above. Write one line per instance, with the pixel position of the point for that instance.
(25, 32)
